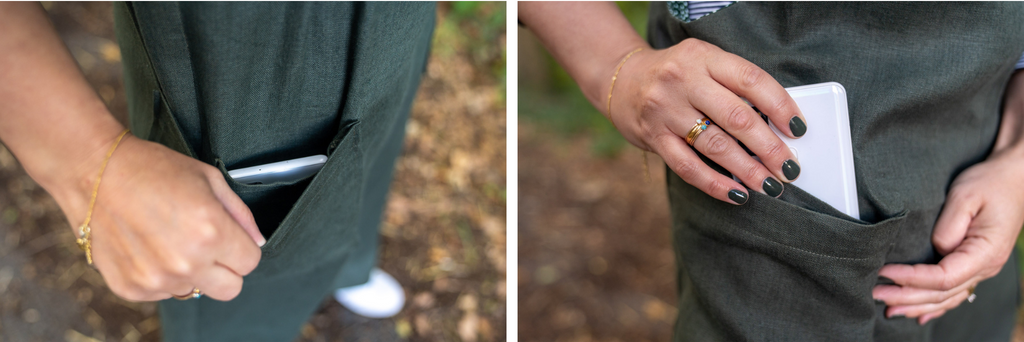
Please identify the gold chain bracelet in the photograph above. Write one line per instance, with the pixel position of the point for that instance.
(647, 173)
(85, 242)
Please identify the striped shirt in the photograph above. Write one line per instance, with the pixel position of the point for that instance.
(688, 11)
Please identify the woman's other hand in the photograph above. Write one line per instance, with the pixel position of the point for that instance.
(975, 234)
(660, 94)
(976, 230)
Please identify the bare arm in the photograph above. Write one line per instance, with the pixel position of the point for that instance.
(587, 38)
(50, 117)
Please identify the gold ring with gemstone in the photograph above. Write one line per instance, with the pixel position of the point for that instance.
(970, 295)
(195, 294)
(697, 129)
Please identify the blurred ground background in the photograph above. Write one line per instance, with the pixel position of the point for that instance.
(444, 227)
(595, 255)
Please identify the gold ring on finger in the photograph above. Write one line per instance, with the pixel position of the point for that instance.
(697, 129)
(970, 295)
(194, 294)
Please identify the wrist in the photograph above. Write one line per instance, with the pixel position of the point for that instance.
(67, 166)
(598, 83)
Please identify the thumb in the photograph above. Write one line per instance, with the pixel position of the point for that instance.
(951, 227)
(236, 207)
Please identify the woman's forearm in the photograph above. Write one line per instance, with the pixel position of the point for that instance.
(1011, 127)
(588, 39)
(50, 118)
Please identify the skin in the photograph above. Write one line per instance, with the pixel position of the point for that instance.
(976, 230)
(163, 222)
(659, 94)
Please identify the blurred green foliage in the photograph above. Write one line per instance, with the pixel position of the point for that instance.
(477, 29)
(559, 105)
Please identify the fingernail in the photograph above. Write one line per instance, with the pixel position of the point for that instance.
(737, 196)
(797, 126)
(262, 242)
(772, 187)
(790, 169)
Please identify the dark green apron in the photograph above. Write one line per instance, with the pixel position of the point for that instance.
(924, 83)
(242, 84)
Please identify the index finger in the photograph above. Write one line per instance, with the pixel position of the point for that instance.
(237, 251)
(751, 82)
(953, 270)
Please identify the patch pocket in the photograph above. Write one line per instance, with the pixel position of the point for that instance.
(269, 203)
(321, 225)
(804, 269)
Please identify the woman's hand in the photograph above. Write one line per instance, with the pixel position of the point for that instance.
(164, 223)
(976, 230)
(976, 233)
(660, 94)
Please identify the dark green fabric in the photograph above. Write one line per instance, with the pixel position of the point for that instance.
(242, 84)
(924, 83)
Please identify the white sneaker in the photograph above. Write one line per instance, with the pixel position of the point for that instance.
(381, 297)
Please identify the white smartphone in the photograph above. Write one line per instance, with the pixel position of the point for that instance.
(283, 171)
(825, 152)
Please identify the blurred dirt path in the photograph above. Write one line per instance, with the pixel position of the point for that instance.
(596, 261)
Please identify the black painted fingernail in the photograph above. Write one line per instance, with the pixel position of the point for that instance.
(772, 187)
(737, 196)
(790, 169)
(797, 126)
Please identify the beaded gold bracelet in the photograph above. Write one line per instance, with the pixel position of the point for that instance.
(85, 241)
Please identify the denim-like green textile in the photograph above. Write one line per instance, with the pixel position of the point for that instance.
(924, 83)
(242, 84)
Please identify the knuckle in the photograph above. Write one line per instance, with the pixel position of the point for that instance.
(716, 186)
(696, 45)
(947, 283)
(179, 267)
(686, 169)
(209, 170)
(669, 72)
(717, 144)
(750, 75)
(780, 105)
(753, 173)
(738, 117)
(775, 150)
(647, 131)
(205, 234)
(650, 104)
(150, 281)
